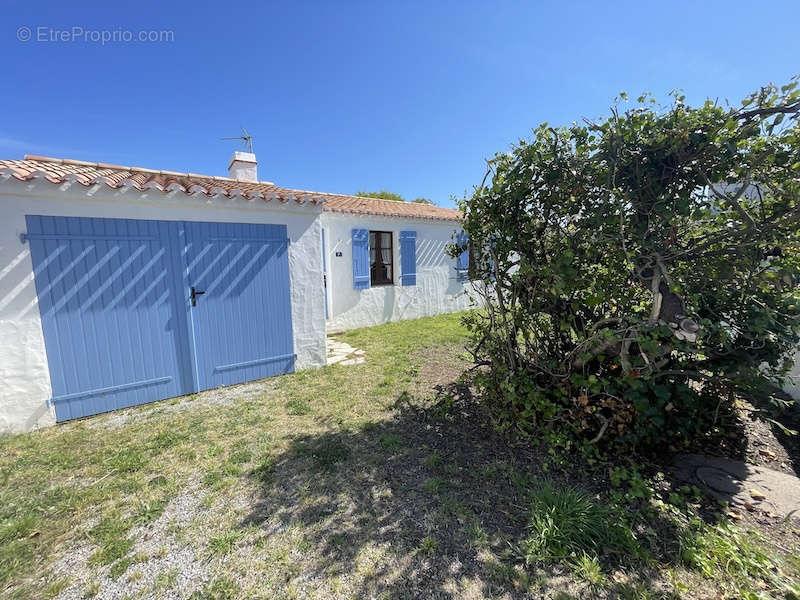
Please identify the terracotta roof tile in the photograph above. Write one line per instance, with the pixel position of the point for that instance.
(58, 170)
(390, 208)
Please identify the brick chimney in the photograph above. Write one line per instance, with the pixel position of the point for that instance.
(243, 166)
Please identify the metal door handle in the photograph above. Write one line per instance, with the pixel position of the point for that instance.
(194, 296)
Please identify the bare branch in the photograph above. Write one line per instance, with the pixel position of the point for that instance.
(787, 109)
(600, 433)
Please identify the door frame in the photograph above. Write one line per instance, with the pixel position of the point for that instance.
(325, 277)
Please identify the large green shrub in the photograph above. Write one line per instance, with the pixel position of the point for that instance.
(639, 271)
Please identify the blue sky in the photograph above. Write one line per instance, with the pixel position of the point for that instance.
(341, 95)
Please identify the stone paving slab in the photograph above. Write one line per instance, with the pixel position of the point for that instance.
(353, 361)
(343, 353)
(741, 483)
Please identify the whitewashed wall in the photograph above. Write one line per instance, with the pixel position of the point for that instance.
(24, 375)
(437, 290)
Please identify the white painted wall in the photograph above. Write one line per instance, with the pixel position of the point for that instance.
(437, 290)
(24, 375)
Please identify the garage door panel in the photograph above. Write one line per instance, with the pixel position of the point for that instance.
(109, 313)
(242, 322)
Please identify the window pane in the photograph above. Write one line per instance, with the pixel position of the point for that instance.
(380, 255)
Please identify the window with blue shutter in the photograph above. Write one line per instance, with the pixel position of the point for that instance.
(360, 259)
(381, 258)
(408, 257)
(462, 262)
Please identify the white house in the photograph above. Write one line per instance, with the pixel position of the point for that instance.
(122, 285)
(403, 270)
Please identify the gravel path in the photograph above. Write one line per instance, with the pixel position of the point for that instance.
(170, 569)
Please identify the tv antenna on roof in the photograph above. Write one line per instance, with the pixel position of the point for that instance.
(246, 138)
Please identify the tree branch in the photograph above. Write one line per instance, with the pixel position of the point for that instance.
(734, 200)
(787, 109)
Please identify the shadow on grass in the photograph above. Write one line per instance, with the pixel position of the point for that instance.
(427, 504)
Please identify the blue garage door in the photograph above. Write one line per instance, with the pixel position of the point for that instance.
(120, 322)
(241, 318)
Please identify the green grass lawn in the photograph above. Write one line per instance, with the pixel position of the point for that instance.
(375, 480)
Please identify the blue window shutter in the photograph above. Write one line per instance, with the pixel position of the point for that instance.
(462, 262)
(360, 259)
(408, 257)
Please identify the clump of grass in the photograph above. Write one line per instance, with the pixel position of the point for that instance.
(231, 469)
(110, 534)
(451, 506)
(112, 550)
(642, 591)
(567, 522)
(92, 590)
(164, 440)
(108, 527)
(715, 549)
(239, 457)
(724, 553)
(148, 511)
(5, 473)
(391, 441)
(428, 545)
(337, 541)
(54, 588)
(297, 407)
(264, 470)
(119, 567)
(18, 527)
(432, 485)
(500, 573)
(14, 556)
(158, 481)
(434, 460)
(223, 544)
(126, 460)
(587, 568)
(477, 536)
(212, 478)
(498, 470)
(186, 455)
(167, 579)
(219, 589)
(328, 453)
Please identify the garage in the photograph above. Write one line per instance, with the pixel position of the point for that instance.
(135, 311)
(124, 285)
